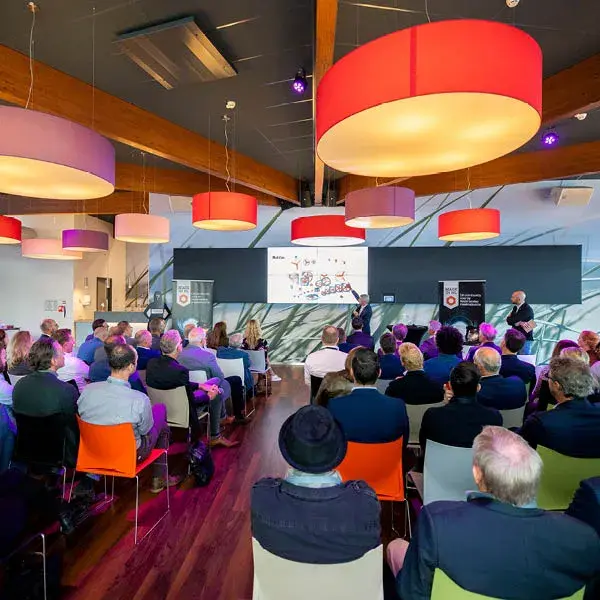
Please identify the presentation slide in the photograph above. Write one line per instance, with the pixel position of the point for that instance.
(316, 275)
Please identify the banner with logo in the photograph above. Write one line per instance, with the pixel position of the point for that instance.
(192, 303)
(462, 303)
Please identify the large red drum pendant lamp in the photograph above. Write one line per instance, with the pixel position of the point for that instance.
(429, 99)
(325, 230)
(10, 230)
(469, 225)
(224, 211)
(380, 207)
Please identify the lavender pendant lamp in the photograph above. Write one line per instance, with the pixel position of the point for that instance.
(84, 240)
(380, 207)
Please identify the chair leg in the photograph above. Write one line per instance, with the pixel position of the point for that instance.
(137, 506)
(407, 520)
(393, 525)
(64, 478)
(44, 565)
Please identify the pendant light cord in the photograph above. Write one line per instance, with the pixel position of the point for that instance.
(427, 10)
(226, 120)
(33, 8)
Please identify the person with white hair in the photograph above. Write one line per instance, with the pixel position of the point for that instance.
(363, 311)
(521, 318)
(498, 543)
(326, 360)
(487, 335)
(143, 345)
(429, 348)
(501, 393)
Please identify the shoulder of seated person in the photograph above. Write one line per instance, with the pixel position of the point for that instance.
(358, 485)
(268, 482)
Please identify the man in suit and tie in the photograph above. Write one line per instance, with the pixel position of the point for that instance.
(143, 346)
(359, 337)
(501, 393)
(48, 328)
(363, 310)
(512, 365)
(520, 317)
(365, 414)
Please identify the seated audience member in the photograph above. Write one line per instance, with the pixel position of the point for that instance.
(415, 387)
(97, 323)
(216, 334)
(233, 351)
(165, 373)
(501, 393)
(6, 389)
(113, 402)
(585, 505)
(576, 354)
(42, 394)
(358, 337)
(100, 369)
(449, 342)
(343, 345)
(48, 328)
(311, 515)
(186, 331)
(336, 383)
(365, 414)
(399, 331)
(17, 354)
(429, 347)
(253, 340)
(88, 349)
(390, 364)
(156, 327)
(462, 418)
(498, 544)
(127, 332)
(541, 391)
(327, 359)
(588, 340)
(75, 369)
(511, 345)
(487, 335)
(143, 346)
(8, 431)
(573, 427)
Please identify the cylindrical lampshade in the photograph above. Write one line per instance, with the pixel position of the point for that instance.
(48, 249)
(325, 230)
(433, 98)
(48, 157)
(224, 211)
(84, 240)
(142, 228)
(10, 230)
(380, 207)
(469, 225)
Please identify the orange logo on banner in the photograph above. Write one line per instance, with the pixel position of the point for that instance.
(450, 300)
(183, 299)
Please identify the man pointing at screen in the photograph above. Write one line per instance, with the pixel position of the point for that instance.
(363, 310)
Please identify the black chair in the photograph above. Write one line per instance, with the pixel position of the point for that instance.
(315, 384)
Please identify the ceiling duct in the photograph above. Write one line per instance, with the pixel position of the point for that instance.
(175, 53)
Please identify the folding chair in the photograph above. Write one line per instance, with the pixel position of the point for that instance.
(15, 378)
(513, 417)
(315, 385)
(258, 365)
(415, 414)
(111, 450)
(382, 384)
(234, 367)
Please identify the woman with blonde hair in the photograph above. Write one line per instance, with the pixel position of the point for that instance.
(17, 353)
(253, 341)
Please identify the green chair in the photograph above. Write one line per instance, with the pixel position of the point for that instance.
(561, 477)
(445, 589)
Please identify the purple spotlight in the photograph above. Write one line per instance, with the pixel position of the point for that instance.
(550, 138)
(299, 84)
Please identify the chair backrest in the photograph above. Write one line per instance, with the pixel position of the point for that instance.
(232, 367)
(258, 360)
(106, 449)
(276, 578)
(528, 358)
(15, 378)
(561, 476)
(415, 414)
(142, 375)
(513, 417)
(198, 376)
(40, 440)
(315, 384)
(177, 403)
(444, 588)
(380, 465)
(447, 473)
(382, 384)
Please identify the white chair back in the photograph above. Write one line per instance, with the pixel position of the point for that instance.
(382, 384)
(415, 414)
(15, 378)
(198, 376)
(177, 403)
(513, 417)
(276, 578)
(232, 367)
(528, 358)
(448, 473)
(258, 360)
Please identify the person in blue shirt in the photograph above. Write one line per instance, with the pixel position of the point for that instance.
(449, 342)
(97, 323)
(89, 347)
(233, 351)
(389, 362)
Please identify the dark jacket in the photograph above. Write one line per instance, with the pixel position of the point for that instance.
(513, 365)
(571, 428)
(586, 503)
(457, 423)
(416, 387)
(100, 371)
(521, 315)
(165, 373)
(474, 349)
(315, 525)
(499, 550)
(366, 314)
(368, 416)
(361, 338)
(345, 347)
(391, 366)
(144, 355)
(20, 369)
(502, 393)
(155, 342)
(439, 368)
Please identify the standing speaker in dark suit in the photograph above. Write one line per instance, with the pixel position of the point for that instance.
(363, 310)
(521, 314)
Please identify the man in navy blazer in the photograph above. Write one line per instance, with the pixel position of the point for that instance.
(366, 415)
(143, 343)
(511, 345)
(498, 543)
(359, 337)
(363, 310)
(501, 393)
(573, 426)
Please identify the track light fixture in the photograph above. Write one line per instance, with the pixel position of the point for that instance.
(300, 83)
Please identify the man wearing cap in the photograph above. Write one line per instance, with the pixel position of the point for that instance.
(310, 515)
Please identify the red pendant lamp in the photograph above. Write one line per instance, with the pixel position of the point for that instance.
(469, 225)
(10, 230)
(428, 99)
(325, 230)
(224, 211)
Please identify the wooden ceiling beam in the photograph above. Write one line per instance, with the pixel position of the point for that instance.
(60, 94)
(326, 20)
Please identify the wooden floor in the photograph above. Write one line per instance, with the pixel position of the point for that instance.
(202, 549)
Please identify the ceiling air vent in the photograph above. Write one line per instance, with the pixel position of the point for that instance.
(175, 53)
(571, 196)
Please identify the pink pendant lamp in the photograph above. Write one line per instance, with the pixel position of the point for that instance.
(380, 207)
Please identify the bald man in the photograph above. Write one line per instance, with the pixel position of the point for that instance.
(326, 360)
(519, 318)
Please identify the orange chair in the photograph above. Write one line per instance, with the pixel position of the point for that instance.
(380, 465)
(110, 450)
